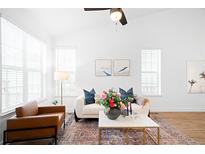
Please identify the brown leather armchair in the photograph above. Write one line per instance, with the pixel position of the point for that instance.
(33, 123)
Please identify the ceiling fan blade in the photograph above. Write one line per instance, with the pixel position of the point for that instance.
(123, 19)
(95, 9)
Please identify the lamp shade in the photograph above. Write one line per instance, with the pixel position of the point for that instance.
(61, 75)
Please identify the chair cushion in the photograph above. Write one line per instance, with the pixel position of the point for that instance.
(29, 109)
(89, 96)
(60, 116)
(92, 109)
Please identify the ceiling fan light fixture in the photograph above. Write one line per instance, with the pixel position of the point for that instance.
(115, 14)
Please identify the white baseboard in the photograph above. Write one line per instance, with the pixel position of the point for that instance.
(177, 110)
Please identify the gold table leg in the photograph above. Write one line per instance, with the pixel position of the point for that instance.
(99, 135)
(144, 136)
(126, 136)
(158, 135)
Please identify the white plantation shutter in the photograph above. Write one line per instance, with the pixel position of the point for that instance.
(65, 61)
(33, 53)
(21, 67)
(12, 88)
(34, 50)
(151, 72)
(34, 85)
(12, 65)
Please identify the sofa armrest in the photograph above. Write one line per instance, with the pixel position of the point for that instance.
(79, 106)
(51, 109)
(32, 122)
(146, 102)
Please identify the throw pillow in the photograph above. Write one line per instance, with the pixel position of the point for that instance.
(126, 94)
(89, 96)
(139, 100)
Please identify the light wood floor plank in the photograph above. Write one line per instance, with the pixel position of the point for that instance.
(190, 123)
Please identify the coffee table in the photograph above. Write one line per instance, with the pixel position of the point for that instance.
(139, 122)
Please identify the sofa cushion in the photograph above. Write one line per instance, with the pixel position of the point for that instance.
(29, 109)
(89, 96)
(92, 109)
(136, 108)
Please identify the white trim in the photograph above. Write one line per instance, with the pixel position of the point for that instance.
(7, 113)
(167, 109)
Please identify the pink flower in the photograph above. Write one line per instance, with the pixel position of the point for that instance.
(103, 95)
(122, 106)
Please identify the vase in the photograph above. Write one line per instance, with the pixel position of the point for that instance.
(113, 113)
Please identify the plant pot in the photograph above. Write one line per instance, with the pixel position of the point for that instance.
(113, 113)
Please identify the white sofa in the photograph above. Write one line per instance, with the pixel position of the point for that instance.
(92, 110)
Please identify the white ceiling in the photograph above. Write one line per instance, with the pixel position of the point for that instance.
(64, 21)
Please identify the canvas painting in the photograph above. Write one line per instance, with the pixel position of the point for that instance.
(196, 76)
(121, 67)
(103, 67)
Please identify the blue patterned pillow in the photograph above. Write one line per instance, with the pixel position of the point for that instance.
(89, 96)
(126, 94)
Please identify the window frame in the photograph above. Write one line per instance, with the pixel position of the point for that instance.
(159, 74)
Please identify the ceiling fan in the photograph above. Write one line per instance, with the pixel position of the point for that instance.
(116, 14)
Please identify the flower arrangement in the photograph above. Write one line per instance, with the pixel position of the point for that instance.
(112, 99)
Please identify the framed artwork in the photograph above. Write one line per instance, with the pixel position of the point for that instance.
(121, 67)
(196, 76)
(103, 67)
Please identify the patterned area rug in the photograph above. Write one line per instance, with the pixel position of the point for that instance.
(85, 132)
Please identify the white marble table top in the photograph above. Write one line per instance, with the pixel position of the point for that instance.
(136, 121)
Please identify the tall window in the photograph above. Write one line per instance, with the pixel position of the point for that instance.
(66, 61)
(151, 72)
(21, 65)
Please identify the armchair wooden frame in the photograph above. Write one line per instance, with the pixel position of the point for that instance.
(5, 141)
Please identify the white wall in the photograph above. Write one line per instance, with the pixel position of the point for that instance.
(179, 33)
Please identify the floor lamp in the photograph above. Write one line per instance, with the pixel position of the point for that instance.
(61, 76)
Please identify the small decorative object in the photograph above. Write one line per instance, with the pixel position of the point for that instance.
(114, 105)
(196, 76)
(103, 67)
(121, 67)
(55, 102)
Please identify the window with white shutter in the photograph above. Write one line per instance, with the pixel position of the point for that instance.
(151, 72)
(34, 58)
(66, 61)
(21, 66)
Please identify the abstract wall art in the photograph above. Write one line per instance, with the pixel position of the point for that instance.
(121, 67)
(103, 67)
(196, 76)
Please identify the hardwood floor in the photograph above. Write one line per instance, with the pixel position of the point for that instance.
(190, 123)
